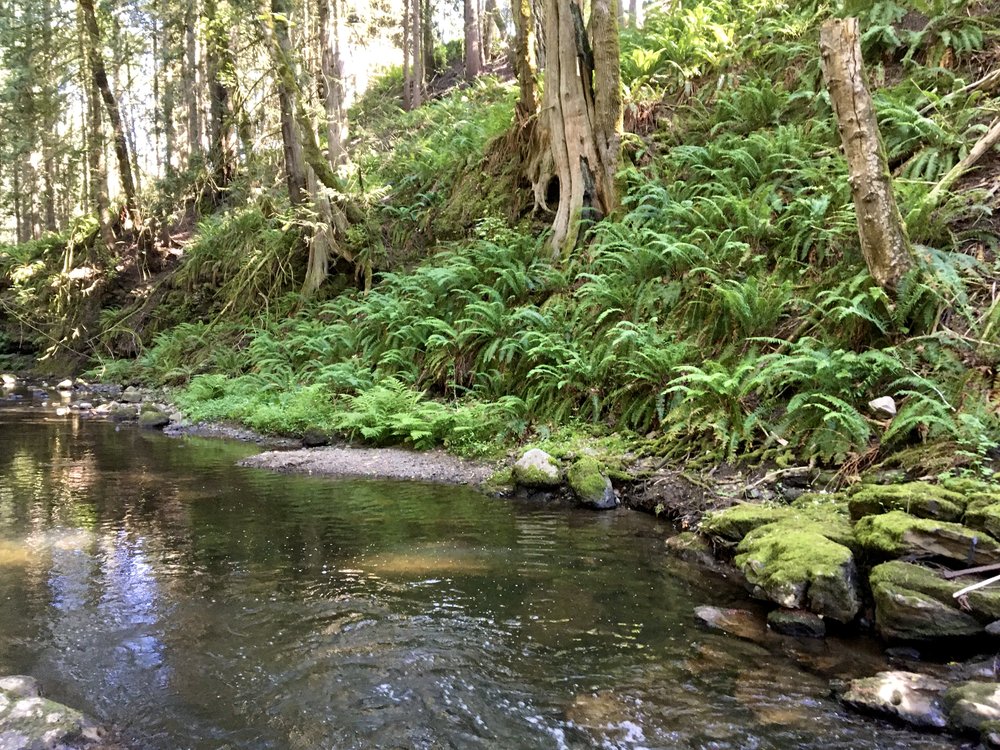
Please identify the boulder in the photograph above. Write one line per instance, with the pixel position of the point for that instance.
(799, 623)
(916, 498)
(692, 548)
(65, 385)
(799, 568)
(131, 395)
(973, 706)
(8, 380)
(589, 484)
(153, 419)
(30, 722)
(984, 517)
(898, 534)
(732, 524)
(538, 470)
(914, 603)
(122, 412)
(740, 623)
(906, 696)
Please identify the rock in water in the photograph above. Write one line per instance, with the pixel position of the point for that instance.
(538, 470)
(897, 534)
(973, 707)
(131, 395)
(65, 385)
(30, 722)
(741, 623)
(8, 380)
(800, 569)
(591, 487)
(908, 696)
(153, 419)
(796, 622)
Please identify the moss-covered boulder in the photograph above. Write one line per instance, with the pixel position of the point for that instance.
(914, 603)
(800, 569)
(897, 533)
(973, 707)
(590, 485)
(916, 498)
(732, 524)
(536, 469)
(692, 548)
(31, 722)
(984, 518)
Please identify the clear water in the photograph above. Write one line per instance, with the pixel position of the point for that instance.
(193, 604)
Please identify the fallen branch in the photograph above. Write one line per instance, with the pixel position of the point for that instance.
(975, 587)
(980, 149)
(948, 575)
(986, 83)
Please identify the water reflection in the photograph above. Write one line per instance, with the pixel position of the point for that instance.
(199, 605)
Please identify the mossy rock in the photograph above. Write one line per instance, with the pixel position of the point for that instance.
(984, 518)
(537, 469)
(800, 569)
(973, 706)
(966, 486)
(897, 533)
(912, 602)
(590, 485)
(691, 547)
(916, 498)
(732, 524)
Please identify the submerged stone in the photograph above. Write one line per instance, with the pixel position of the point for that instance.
(592, 488)
(799, 623)
(30, 722)
(907, 696)
(153, 419)
(897, 533)
(691, 547)
(916, 498)
(538, 470)
(800, 569)
(741, 623)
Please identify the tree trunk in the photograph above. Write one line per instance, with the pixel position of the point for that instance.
(581, 121)
(492, 24)
(192, 83)
(417, 40)
(523, 62)
(217, 60)
(473, 54)
(97, 193)
(635, 14)
(332, 81)
(407, 74)
(884, 243)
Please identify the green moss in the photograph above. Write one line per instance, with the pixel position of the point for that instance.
(500, 481)
(985, 518)
(973, 706)
(736, 522)
(587, 480)
(898, 533)
(801, 568)
(916, 498)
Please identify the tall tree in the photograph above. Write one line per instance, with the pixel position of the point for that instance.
(95, 59)
(473, 42)
(884, 243)
(576, 150)
(218, 68)
(332, 80)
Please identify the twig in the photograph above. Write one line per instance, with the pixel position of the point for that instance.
(948, 575)
(975, 587)
(986, 82)
(982, 147)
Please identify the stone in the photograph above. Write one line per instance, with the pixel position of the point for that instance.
(8, 380)
(741, 623)
(590, 485)
(973, 706)
(884, 404)
(907, 696)
(691, 547)
(993, 628)
(800, 569)
(914, 603)
(538, 470)
(732, 524)
(131, 395)
(65, 385)
(984, 518)
(122, 412)
(799, 623)
(311, 438)
(30, 722)
(898, 534)
(153, 419)
(916, 498)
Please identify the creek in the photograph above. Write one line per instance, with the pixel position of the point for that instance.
(190, 603)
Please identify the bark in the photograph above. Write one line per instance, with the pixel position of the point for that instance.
(473, 54)
(166, 66)
(635, 14)
(100, 78)
(417, 41)
(523, 62)
(192, 83)
(97, 187)
(492, 25)
(581, 122)
(332, 81)
(218, 59)
(884, 243)
(407, 75)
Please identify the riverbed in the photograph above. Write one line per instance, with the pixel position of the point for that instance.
(154, 584)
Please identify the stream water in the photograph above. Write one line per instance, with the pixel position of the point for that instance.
(150, 582)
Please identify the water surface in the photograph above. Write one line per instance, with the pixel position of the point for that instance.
(194, 604)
